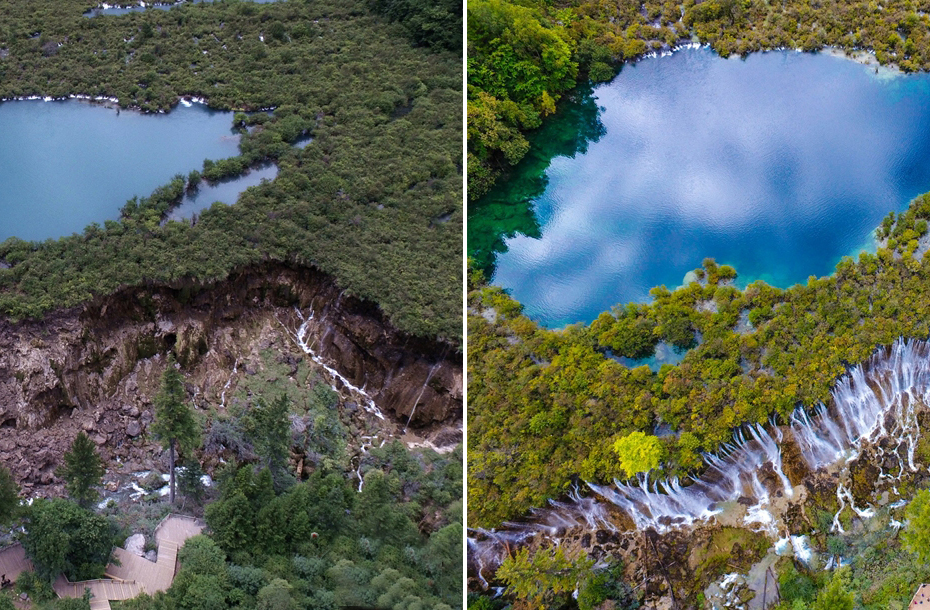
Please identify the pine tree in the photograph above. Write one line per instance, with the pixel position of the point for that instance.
(190, 483)
(82, 471)
(269, 430)
(540, 578)
(9, 497)
(834, 596)
(174, 423)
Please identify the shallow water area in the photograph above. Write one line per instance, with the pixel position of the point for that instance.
(225, 191)
(778, 164)
(664, 354)
(66, 164)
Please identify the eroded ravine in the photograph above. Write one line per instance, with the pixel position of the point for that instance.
(97, 367)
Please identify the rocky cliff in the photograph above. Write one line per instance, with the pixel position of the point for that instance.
(97, 367)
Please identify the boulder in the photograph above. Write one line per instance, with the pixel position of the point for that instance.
(135, 544)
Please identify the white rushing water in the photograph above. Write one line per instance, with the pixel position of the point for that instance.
(303, 338)
(874, 401)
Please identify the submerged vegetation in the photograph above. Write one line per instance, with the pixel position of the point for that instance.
(375, 199)
(547, 407)
(523, 57)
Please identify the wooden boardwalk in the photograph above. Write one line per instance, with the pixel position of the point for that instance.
(136, 574)
(101, 590)
(13, 562)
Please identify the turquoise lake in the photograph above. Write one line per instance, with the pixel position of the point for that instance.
(778, 164)
(64, 165)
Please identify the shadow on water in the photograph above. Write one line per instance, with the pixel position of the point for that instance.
(507, 210)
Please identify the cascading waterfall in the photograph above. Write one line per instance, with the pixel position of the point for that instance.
(301, 336)
(423, 389)
(229, 381)
(874, 401)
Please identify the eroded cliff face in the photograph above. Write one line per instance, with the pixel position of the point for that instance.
(98, 367)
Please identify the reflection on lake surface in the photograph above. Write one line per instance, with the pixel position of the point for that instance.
(64, 165)
(778, 164)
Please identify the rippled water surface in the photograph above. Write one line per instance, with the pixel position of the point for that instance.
(779, 164)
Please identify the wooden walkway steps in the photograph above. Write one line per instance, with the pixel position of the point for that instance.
(99, 589)
(135, 574)
(13, 562)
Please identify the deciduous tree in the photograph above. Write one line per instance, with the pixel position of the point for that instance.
(916, 535)
(639, 452)
(60, 536)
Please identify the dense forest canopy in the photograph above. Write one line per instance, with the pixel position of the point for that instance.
(375, 199)
(322, 544)
(524, 56)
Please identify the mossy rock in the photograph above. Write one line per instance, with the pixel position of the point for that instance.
(847, 517)
(864, 474)
(152, 481)
(793, 464)
(727, 549)
(922, 452)
(796, 520)
(821, 493)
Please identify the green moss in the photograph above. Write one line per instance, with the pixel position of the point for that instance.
(729, 549)
(146, 347)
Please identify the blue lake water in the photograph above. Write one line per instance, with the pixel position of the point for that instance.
(778, 164)
(64, 165)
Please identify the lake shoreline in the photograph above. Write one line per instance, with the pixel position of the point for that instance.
(522, 255)
(114, 103)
